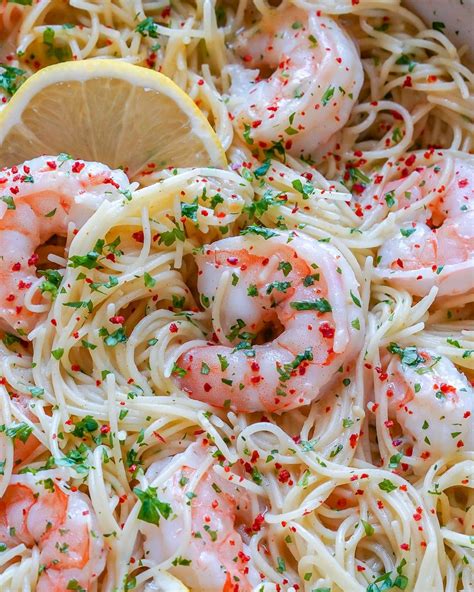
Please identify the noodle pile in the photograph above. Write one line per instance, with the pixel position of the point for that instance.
(345, 507)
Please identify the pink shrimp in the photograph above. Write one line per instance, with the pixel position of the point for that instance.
(39, 199)
(11, 16)
(215, 557)
(316, 77)
(432, 401)
(287, 281)
(39, 510)
(436, 248)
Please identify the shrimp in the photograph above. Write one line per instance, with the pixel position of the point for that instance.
(432, 401)
(316, 76)
(436, 248)
(214, 556)
(38, 510)
(287, 281)
(11, 17)
(39, 199)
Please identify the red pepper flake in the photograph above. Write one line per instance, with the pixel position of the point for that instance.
(200, 82)
(10, 298)
(256, 123)
(117, 319)
(407, 83)
(255, 456)
(247, 58)
(16, 266)
(52, 165)
(105, 429)
(410, 160)
(75, 367)
(33, 260)
(460, 444)
(207, 387)
(463, 183)
(258, 522)
(173, 328)
(447, 388)
(244, 558)
(138, 236)
(327, 330)
(283, 476)
(77, 167)
(110, 181)
(353, 440)
(405, 547)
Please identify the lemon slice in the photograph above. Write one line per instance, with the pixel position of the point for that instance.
(107, 111)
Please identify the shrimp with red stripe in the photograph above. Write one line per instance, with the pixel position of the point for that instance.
(296, 289)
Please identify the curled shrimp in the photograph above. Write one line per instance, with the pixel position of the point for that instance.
(39, 199)
(200, 527)
(38, 510)
(290, 282)
(436, 246)
(11, 17)
(316, 76)
(431, 400)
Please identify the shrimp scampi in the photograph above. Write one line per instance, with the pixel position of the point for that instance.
(432, 402)
(434, 246)
(316, 76)
(39, 199)
(284, 281)
(40, 511)
(203, 524)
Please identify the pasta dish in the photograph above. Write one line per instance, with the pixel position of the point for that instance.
(236, 299)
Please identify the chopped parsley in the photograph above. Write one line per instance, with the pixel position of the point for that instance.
(152, 509)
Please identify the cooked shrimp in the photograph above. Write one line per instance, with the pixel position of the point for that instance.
(432, 401)
(213, 556)
(11, 16)
(39, 199)
(38, 510)
(296, 283)
(437, 247)
(316, 79)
